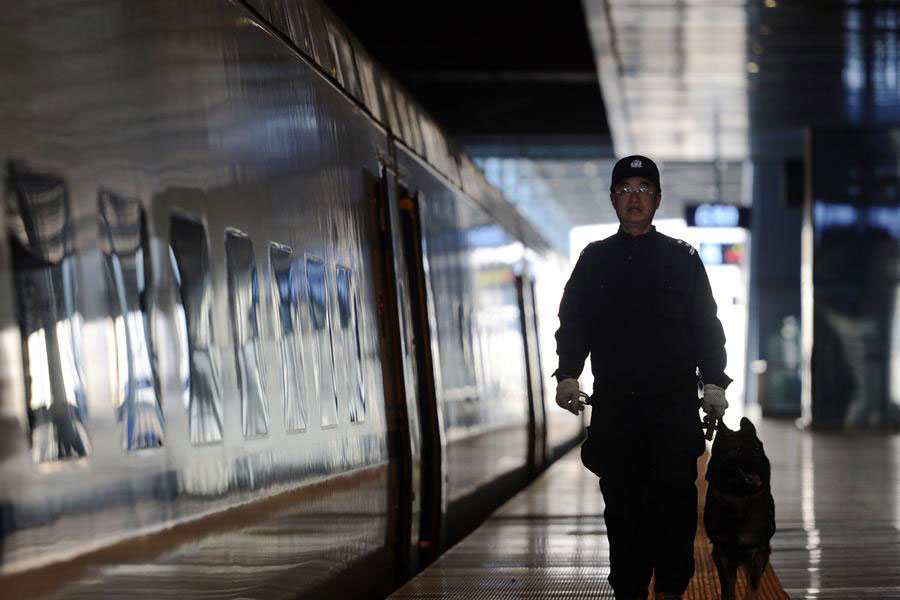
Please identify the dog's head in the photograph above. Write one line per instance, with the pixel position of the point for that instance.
(738, 464)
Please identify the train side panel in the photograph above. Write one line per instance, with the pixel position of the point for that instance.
(220, 370)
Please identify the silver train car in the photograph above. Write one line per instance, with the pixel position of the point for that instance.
(264, 331)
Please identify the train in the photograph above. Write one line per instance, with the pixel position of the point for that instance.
(265, 331)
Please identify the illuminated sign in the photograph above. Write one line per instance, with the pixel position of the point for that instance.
(722, 254)
(717, 215)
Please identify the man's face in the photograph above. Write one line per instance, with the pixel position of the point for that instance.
(635, 208)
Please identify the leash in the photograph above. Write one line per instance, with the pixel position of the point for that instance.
(711, 425)
(583, 400)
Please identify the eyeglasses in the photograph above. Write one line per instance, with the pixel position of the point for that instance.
(627, 190)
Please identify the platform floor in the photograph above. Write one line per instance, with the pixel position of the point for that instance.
(837, 499)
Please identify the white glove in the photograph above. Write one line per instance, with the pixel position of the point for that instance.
(713, 402)
(568, 395)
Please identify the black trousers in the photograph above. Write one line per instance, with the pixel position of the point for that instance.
(648, 450)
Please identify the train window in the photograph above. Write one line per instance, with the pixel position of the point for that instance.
(298, 26)
(323, 52)
(124, 236)
(45, 280)
(343, 53)
(190, 254)
(367, 77)
(243, 295)
(350, 383)
(321, 340)
(286, 291)
(403, 116)
(387, 96)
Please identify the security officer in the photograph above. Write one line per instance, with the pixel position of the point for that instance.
(640, 304)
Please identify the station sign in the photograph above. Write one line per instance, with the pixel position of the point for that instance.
(722, 254)
(712, 214)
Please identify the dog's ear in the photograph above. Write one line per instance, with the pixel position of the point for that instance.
(747, 427)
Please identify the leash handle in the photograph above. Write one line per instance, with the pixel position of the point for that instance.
(710, 424)
(583, 399)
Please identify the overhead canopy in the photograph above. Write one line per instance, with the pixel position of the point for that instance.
(705, 80)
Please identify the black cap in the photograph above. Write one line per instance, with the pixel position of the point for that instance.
(635, 166)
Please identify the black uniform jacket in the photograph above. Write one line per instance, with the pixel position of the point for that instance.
(641, 306)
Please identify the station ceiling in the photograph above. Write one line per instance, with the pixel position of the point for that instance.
(736, 79)
(490, 72)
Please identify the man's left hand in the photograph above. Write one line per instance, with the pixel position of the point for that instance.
(713, 402)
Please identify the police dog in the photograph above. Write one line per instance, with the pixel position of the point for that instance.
(740, 513)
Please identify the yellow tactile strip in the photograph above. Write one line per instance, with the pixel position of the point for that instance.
(705, 584)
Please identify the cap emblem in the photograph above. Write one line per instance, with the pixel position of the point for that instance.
(636, 164)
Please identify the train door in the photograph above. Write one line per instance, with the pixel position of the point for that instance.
(411, 479)
(537, 430)
(402, 418)
(433, 503)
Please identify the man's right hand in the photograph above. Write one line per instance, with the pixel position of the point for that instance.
(568, 395)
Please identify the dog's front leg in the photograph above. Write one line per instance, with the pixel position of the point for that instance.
(726, 566)
(756, 566)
